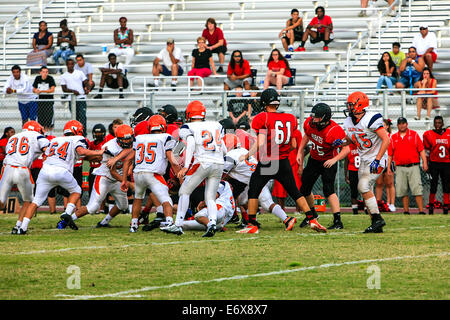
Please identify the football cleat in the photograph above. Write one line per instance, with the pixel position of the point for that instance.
(172, 229)
(143, 218)
(61, 225)
(100, 225)
(376, 227)
(336, 225)
(69, 221)
(316, 226)
(21, 231)
(134, 229)
(253, 222)
(14, 230)
(234, 219)
(153, 225)
(210, 231)
(249, 229)
(289, 223)
(304, 223)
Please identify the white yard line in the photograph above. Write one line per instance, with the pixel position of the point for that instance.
(243, 238)
(129, 293)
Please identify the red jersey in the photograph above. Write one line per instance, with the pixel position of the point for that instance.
(95, 146)
(108, 137)
(353, 158)
(238, 71)
(438, 145)
(277, 66)
(279, 128)
(173, 130)
(293, 155)
(326, 20)
(245, 138)
(40, 160)
(322, 149)
(214, 37)
(405, 150)
(3, 143)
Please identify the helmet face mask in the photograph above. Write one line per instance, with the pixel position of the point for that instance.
(99, 132)
(141, 114)
(356, 105)
(323, 112)
(125, 135)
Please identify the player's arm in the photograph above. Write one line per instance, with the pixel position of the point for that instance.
(90, 155)
(173, 162)
(293, 143)
(126, 167)
(346, 162)
(385, 140)
(300, 153)
(341, 155)
(122, 155)
(190, 147)
(115, 174)
(261, 140)
(347, 141)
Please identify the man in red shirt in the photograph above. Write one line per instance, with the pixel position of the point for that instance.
(238, 73)
(325, 136)
(216, 41)
(437, 146)
(324, 27)
(275, 140)
(406, 149)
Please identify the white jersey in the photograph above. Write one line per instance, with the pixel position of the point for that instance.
(364, 135)
(62, 151)
(151, 152)
(24, 147)
(239, 170)
(225, 199)
(113, 149)
(208, 140)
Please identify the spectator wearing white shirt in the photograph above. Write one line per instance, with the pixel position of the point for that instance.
(74, 81)
(87, 69)
(19, 83)
(172, 63)
(425, 42)
(113, 75)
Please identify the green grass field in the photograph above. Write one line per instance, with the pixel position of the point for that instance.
(412, 256)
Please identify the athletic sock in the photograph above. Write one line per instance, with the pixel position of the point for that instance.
(130, 208)
(159, 208)
(107, 219)
(18, 224)
(70, 208)
(25, 223)
(279, 212)
(337, 216)
(183, 206)
(355, 208)
(174, 82)
(110, 206)
(372, 205)
(134, 222)
(326, 42)
(244, 215)
(100, 89)
(252, 219)
(169, 220)
(446, 199)
(432, 198)
(120, 89)
(193, 225)
(302, 44)
(74, 216)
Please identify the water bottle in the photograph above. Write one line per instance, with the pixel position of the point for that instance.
(104, 49)
(261, 83)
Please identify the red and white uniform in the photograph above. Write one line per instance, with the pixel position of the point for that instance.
(105, 183)
(21, 150)
(438, 145)
(151, 164)
(95, 146)
(58, 167)
(354, 160)
(322, 140)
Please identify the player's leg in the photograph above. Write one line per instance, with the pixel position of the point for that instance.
(267, 204)
(212, 184)
(140, 187)
(434, 172)
(353, 177)
(445, 176)
(160, 190)
(328, 180)
(6, 183)
(415, 182)
(311, 173)
(23, 180)
(121, 201)
(257, 182)
(65, 180)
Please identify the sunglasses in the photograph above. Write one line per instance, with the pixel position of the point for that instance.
(237, 56)
(423, 28)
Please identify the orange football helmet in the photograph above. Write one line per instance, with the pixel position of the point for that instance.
(231, 141)
(195, 110)
(156, 123)
(33, 126)
(357, 102)
(124, 135)
(141, 128)
(74, 127)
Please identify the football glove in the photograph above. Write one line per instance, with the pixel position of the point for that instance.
(337, 143)
(374, 166)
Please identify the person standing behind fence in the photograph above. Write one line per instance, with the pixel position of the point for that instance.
(44, 84)
(7, 133)
(123, 39)
(86, 68)
(66, 42)
(19, 83)
(406, 149)
(74, 81)
(42, 46)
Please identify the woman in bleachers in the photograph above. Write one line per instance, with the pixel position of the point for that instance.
(388, 71)
(426, 81)
(279, 71)
(202, 62)
(42, 46)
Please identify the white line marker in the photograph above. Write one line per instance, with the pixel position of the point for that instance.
(240, 277)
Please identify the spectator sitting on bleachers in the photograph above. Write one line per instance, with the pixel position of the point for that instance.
(293, 32)
(44, 85)
(66, 42)
(7, 133)
(42, 46)
(410, 70)
(216, 41)
(123, 39)
(87, 69)
(279, 71)
(426, 81)
(364, 4)
(172, 63)
(19, 83)
(113, 74)
(324, 26)
(202, 62)
(238, 73)
(425, 43)
(388, 72)
(397, 56)
(238, 108)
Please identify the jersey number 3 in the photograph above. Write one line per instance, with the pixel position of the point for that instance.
(23, 147)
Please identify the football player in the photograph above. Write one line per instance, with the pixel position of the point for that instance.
(204, 143)
(365, 129)
(141, 114)
(275, 140)
(437, 146)
(351, 166)
(325, 136)
(21, 150)
(98, 134)
(62, 154)
(170, 114)
(107, 180)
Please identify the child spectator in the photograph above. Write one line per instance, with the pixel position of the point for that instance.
(324, 27)
(42, 46)
(202, 62)
(42, 86)
(388, 72)
(66, 42)
(216, 41)
(123, 39)
(239, 73)
(397, 55)
(426, 81)
(279, 71)
(293, 32)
